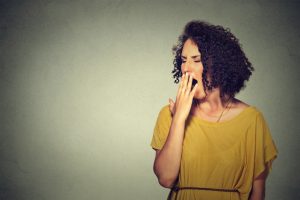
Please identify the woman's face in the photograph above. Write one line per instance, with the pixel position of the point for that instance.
(191, 63)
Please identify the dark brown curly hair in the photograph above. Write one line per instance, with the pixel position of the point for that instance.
(221, 55)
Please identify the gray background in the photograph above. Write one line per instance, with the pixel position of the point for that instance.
(82, 83)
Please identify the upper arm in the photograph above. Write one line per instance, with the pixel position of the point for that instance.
(157, 152)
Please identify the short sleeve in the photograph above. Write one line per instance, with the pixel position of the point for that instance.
(162, 127)
(265, 148)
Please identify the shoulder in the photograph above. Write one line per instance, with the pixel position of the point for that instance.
(165, 109)
(165, 112)
(240, 106)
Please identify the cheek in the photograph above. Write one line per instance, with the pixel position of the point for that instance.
(183, 67)
(199, 70)
(200, 67)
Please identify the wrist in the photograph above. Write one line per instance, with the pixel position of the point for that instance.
(178, 119)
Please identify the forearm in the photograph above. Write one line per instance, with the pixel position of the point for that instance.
(167, 163)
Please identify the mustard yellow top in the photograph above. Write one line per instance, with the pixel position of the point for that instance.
(220, 155)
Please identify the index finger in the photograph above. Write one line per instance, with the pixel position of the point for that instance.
(181, 84)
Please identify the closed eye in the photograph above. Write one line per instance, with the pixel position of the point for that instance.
(197, 61)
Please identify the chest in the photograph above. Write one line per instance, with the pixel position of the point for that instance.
(226, 115)
(211, 147)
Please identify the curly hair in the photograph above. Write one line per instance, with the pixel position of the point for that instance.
(221, 54)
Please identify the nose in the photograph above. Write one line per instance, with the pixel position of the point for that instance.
(186, 67)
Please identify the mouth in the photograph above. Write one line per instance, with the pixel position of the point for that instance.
(194, 82)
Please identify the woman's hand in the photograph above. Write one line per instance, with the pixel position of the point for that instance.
(182, 106)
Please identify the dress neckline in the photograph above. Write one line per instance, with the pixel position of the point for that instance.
(210, 123)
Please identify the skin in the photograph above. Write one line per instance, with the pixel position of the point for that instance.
(167, 160)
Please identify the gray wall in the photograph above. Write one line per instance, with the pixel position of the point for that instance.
(82, 83)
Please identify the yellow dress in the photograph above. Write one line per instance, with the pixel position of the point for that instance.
(225, 155)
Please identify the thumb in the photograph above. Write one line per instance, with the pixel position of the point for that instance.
(171, 105)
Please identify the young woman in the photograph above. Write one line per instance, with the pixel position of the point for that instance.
(210, 145)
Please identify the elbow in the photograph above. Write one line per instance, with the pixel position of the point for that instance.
(166, 183)
(165, 178)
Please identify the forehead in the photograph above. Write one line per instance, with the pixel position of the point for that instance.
(190, 48)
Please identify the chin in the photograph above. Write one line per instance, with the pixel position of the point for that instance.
(199, 95)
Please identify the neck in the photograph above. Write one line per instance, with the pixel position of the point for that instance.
(213, 103)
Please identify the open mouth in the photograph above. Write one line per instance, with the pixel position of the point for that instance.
(194, 82)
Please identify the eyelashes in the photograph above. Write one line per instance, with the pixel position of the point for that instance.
(196, 61)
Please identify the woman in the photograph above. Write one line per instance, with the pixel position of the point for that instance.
(210, 145)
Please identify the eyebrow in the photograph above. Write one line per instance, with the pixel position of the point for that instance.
(195, 56)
